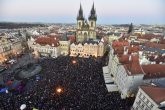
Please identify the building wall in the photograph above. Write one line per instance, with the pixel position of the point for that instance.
(92, 24)
(114, 66)
(79, 24)
(86, 50)
(127, 84)
(80, 49)
(17, 47)
(46, 50)
(73, 50)
(64, 47)
(144, 102)
(121, 80)
(110, 60)
(111, 38)
(8, 48)
(85, 33)
(100, 49)
(5, 47)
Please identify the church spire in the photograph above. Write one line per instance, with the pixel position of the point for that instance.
(93, 15)
(130, 28)
(93, 8)
(80, 14)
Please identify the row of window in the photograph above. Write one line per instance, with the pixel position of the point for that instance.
(63, 45)
(145, 100)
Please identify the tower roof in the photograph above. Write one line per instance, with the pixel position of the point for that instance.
(93, 15)
(80, 14)
(130, 28)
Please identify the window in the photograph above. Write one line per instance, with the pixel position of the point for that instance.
(147, 101)
(152, 106)
(142, 105)
(140, 94)
(143, 98)
(139, 102)
(79, 24)
(91, 24)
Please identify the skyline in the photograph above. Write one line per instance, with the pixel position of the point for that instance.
(108, 12)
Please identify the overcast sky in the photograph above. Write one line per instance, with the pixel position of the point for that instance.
(65, 11)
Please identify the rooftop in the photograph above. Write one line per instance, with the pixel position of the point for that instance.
(154, 45)
(157, 94)
(48, 40)
(132, 66)
(154, 71)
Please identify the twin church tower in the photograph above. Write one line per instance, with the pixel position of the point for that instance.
(86, 30)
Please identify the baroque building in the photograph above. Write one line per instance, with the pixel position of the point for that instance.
(87, 49)
(86, 29)
(45, 46)
(9, 47)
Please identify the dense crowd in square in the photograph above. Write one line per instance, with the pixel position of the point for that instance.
(81, 86)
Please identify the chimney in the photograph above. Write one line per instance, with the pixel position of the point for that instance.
(156, 56)
(124, 48)
(126, 52)
(130, 58)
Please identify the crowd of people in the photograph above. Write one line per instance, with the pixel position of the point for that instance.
(81, 86)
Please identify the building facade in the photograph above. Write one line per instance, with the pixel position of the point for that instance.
(9, 47)
(128, 68)
(5, 46)
(64, 47)
(87, 49)
(149, 98)
(45, 46)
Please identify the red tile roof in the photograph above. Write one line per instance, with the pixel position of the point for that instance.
(133, 49)
(162, 41)
(157, 94)
(72, 38)
(154, 71)
(52, 41)
(118, 50)
(157, 60)
(120, 43)
(124, 59)
(133, 67)
(149, 36)
(155, 45)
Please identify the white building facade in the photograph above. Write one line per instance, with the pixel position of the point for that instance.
(45, 46)
(149, 98)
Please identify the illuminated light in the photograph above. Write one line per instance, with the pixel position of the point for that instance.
(59, 90)
(74, 62)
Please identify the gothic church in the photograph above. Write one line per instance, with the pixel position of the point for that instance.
(86, 29)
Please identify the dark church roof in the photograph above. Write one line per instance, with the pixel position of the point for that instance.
(93, 15)
(80, 14)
